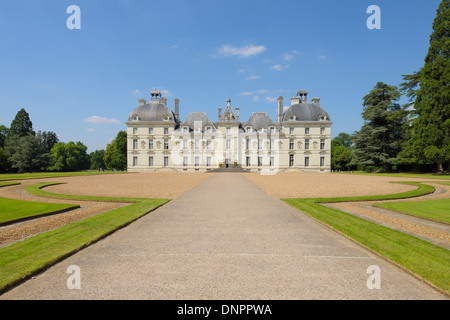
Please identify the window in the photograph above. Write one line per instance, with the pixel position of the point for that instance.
(134, 130)
(272, 130)
(197, 144)
(291, 160)
(208, 129)
(322, 130)
(150, 161)
(135, 144)
(272, 161)
(306, 144)
(291, 144)
(197, 161)
(322, 144)
(306, 161)
(228, 130)
(291, 130)
(208, 161)
(272, 144)
(260, 144)
(185, 144)
(135, 161)
(166, 161)
(150, 130)
(260, 162)
(247, 144)
(185, 130)
(322, 161)
(249, 129)
(248, 161)
(166, 130)
(166, 144)
(150, 144)
(185, 161)
(228, 146)
(208, 144)
(306, 130)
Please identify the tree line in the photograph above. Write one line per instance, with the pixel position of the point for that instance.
(24, 150)
(410, 137)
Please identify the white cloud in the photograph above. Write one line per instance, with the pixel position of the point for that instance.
(101, 120)
(243, 52)
(90, 130)
(278, 67)
(270, 99)
(253, 77)
(255, 98)
(137, 92)
(165, 93)
(241, 70)
(322, 57)
(261, 91)
(290, 55)
(248, 93)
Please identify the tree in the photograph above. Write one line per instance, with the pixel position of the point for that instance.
(341, 152)
(48, 139)
(430, 139)
(4, 164)
(3, 134)
(380, 138)
(21, 125)
(116, 153)
(69, 156)
(27, 153)
(97, 161)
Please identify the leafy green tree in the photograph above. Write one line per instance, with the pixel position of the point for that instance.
(342, 139)
(116, 153)
(381, 136)
(48, 139)
(97, 161)
(27, 153)
(430, 139)
(3, 134)
(69, 156)
(341, 152)
(21, 125)
(4, 163)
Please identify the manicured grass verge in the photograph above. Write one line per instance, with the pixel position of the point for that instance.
(437, 210)
(6, 184)
(37, 189)
(401, 175)
(422, 258)
(41, 175)
(21, 260)
(12, 210)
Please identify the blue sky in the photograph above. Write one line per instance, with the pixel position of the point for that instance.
(83, 84)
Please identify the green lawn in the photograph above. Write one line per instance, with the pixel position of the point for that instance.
(22, 259)
(41, 175)
(426, 260)
(401, 175)
(12, 210)
(6, 184)
(437, 210)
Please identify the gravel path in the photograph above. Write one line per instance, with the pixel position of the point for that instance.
(438, 233)
(151, 185)
(304, 185)
(228, 240)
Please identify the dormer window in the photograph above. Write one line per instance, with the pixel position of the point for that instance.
(135, 130)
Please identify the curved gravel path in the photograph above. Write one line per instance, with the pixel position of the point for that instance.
(438, 233)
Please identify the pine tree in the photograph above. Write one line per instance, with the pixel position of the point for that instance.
(430, 140)
(21, 125)
(380, 138)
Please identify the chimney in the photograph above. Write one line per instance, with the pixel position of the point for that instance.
(142, 102)
(295, 100)
(163, 101)
(177, 108)
(280, 109)
(237, 113)
(220, 113)
(316, 101)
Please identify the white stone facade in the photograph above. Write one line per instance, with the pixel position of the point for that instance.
(300, 140)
